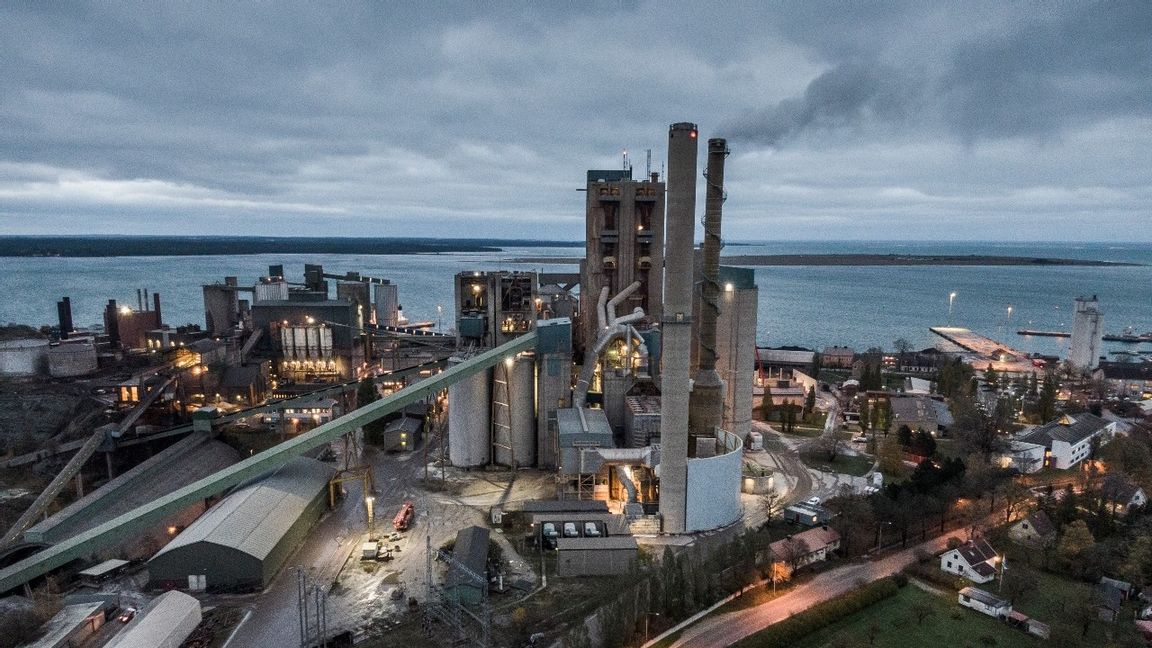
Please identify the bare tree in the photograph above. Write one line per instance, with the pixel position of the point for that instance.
(771, 503)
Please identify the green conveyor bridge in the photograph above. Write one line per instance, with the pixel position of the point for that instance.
(123, 527)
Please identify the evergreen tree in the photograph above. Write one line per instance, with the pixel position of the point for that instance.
(865, 415)
(1033, 391)
(1046, 404)
(809, 403)
(992, 377)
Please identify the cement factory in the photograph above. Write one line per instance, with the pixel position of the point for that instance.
(624, 390)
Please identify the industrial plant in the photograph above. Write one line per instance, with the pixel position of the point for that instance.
(627, 386)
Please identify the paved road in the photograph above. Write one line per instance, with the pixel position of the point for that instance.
(781, 456)
(727, 629)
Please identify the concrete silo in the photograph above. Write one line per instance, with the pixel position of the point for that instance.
(469, 419)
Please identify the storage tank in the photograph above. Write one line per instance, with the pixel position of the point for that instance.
(387, 304)
(522, 393)
(469, 420)
(72, 359)
(22, 353)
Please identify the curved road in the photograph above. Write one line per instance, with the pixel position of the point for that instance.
(727, 629)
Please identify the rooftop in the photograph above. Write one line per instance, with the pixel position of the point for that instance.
(987, 598)
(1067, 428)
(253, 519)
(471, 550)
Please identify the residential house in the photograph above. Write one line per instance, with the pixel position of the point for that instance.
(837, 357)
(1109, 600)
(804, 548)
(1069, 439)
(1036, 529)
(975, 560)
(1123, 495)
(1131, 379)
(920, 413)
(985, 602)
(1022, 457)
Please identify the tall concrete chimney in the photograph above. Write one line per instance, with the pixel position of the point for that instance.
(160, 323)
(676, 324)
(707, 404)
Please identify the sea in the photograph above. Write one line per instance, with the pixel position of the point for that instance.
(861, 307)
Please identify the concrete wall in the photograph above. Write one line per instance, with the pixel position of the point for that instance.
(714, 487)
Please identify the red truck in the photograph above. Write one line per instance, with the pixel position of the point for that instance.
(403, 519)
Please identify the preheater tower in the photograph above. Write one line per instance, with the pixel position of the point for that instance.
(676, 324)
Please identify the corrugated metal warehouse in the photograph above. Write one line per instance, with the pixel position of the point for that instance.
(608, 556)
(244, 540)
(166, 623)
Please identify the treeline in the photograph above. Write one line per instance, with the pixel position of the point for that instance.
(132, 246)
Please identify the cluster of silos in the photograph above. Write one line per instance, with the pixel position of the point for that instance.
(470, 419)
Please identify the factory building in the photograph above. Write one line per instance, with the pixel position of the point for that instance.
(128, 328)
(624, 243)
(313, 341)
(165, 623)
(495, 307)
(71, 626)
(223, 309)
(243, 541)
(1087, 334)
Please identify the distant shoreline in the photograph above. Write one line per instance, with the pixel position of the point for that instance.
(151, 246)
(881, 260)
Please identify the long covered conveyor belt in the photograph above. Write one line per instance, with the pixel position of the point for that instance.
(122, 527)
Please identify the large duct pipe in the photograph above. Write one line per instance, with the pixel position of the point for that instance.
(676, 324)
(707, 411)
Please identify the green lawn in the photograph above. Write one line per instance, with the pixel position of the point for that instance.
(895, 625)
(857, 465)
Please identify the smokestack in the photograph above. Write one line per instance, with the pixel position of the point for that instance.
(707, 411)
(64, 311)
(156, 307)
(112, 323)
(139, 300)
(145, 308)
(676, 324)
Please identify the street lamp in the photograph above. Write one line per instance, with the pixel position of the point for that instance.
(951, 299)
(368, 503)
(439, 319)
(880, 533)
(646, 615)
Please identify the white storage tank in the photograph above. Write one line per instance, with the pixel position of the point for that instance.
(22, 352)
(72, 358)
(469, 420)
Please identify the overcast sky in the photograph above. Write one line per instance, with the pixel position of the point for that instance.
(846, 121)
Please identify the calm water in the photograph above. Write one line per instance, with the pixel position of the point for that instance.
(812, 306)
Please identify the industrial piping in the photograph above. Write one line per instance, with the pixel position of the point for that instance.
(676, 324)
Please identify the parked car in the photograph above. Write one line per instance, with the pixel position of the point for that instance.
(813, 501)
(127, 615)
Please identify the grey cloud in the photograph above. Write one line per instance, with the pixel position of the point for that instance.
(848, 95)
